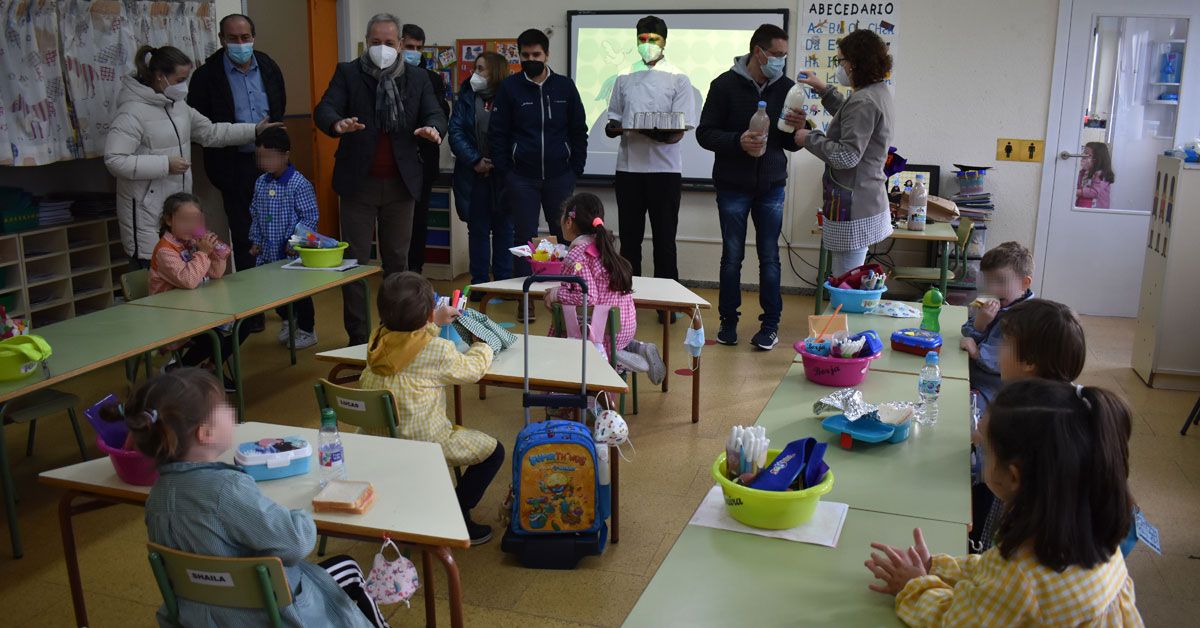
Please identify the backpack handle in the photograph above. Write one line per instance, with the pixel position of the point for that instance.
(529, 400)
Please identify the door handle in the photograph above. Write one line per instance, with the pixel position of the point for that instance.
(1068, 155)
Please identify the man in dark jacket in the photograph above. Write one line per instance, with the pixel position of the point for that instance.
(378, 107)
(412, 38)
(538, 135)
(237, 84)
(750, 187)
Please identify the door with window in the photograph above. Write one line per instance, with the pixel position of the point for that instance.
(1129, 92)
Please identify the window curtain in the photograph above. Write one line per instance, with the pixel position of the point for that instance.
(90, 44)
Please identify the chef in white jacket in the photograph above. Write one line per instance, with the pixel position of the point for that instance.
(148, 147)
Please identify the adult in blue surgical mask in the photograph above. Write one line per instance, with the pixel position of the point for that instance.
(237, 84)
(412, 41)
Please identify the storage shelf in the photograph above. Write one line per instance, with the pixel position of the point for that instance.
(47, 280)
(9, 289)
(12, 263)
(1157, 84)
(87, 247)
(89, 270)
(42, 256)
(1169, 103)
(94, 292)
(41, 307)
(41, 262)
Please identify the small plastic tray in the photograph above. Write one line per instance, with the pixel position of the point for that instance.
(867, 429)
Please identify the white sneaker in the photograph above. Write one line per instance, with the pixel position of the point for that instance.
(283, 333)
(305, 339)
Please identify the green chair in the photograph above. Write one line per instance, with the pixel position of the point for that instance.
(957, 267)
(255, 582)
(373, 410)
(610, 338)
(45, 402)
(136, 285)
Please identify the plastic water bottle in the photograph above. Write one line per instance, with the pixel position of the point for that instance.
(929, 386)
(918, 201)
(760, 123)
(332, 456)
(793, 100)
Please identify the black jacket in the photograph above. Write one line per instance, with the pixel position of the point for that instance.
(732, 100)
(538, 131)
(351, 93)
(432, 153)
(209, 93)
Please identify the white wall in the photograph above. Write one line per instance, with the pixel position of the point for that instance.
(969, 71)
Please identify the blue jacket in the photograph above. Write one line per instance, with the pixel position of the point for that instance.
(465, 146)
(538, 131)
(985, 372)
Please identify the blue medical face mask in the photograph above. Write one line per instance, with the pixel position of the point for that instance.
(412, 57)
(773, 68)
(240, 53)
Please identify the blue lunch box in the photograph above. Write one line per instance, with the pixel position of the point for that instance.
(274, 458)
(916, 341)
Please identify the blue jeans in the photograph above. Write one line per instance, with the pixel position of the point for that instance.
(490, 233)
(766, 210)
(525, 197)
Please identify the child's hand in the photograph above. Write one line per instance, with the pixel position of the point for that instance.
(206, 243)
(444, 315)
(896, 566)
(551, 297)
(969, 345)
(986, 314)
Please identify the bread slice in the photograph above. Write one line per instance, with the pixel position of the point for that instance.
(345, 496)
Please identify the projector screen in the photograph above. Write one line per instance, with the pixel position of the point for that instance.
(701, 43)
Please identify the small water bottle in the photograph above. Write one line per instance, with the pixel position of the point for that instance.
(332, 456)
(929, 385)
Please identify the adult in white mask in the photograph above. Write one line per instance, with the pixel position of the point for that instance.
(378, 107)
(650, 162)
(854, 149)
(149, 144)
(237, 83)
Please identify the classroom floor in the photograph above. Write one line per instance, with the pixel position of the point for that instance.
(661, 485)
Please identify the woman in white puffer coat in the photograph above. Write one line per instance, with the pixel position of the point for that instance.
(149, 144)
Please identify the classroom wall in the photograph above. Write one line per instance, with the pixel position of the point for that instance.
(968, 72)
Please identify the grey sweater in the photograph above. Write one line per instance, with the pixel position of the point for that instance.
(856, 145)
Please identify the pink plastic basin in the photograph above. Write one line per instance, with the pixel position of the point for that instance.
(836, 372)
(132, 467)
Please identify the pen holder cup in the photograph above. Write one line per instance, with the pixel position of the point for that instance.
(837, 372)
(853, 301)
(322, 258)
(769, 510)
(133, 467)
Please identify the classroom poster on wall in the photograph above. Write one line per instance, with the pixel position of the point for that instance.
(823, 25)
(470, 49)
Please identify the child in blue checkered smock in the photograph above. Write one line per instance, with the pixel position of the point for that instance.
(282, 199)
(202, 505)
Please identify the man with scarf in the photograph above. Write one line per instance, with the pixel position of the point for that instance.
(378, 107)
(650, 162)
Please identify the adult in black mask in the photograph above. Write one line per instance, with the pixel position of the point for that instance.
(538, 138)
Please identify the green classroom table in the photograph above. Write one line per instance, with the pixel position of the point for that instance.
(249, 292)
(93, 341)
(721, 578)
(926, 476)
(953, 360)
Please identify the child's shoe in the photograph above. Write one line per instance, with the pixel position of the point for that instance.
(649, 351)
(305, 339)
(478, 532)
(632, 361)
(284, 331)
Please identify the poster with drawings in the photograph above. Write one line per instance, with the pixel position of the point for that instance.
(816, 42)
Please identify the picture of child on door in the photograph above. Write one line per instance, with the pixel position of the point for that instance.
(1095, 177)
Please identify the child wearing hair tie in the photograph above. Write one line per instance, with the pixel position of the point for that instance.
(593, 256)
(205, 506)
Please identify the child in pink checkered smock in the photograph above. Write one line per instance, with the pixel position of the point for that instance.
(593, 256)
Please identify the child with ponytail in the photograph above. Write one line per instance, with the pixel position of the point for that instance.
(205, 506)
(594, 257)
(1057, 455)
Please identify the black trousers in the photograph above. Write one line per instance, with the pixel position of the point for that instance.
(306, 314)
(477, 478)
(420, 224)
(656, 193)
(349, 576)
(200, 348)
(237, 192)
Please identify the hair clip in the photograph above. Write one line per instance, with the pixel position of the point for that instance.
(153, 414)
(597, 222)
(1079, 393)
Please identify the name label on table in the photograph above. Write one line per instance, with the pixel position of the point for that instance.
(352, 404)
(211, 578)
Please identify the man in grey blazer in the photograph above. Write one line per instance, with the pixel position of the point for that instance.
(378, 106)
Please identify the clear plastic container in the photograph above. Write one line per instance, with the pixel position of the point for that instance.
(329, 444)
(760, 125)
(929, 386)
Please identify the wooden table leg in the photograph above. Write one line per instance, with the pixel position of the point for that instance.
(614, 466)
(945, 267)
(453, 583)
(235, 366)
(695, 390)
(427, 570)
(458, 405)
(666, 346)
(71, 557)
(483, 302)
(10, 500)
(483, 391)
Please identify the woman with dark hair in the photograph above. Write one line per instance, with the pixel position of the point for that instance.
(476, 191)
(854, 149)
(149, 144)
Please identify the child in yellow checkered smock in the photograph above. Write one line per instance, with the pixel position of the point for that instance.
(1057, 455)
(406, 356)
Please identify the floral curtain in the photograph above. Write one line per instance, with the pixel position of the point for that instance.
(34, 121)
(97, 40)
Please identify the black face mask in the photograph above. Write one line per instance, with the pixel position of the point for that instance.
(533, 69)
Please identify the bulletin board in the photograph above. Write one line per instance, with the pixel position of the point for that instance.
(470, 49)
(823, 25)
(442, 59)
